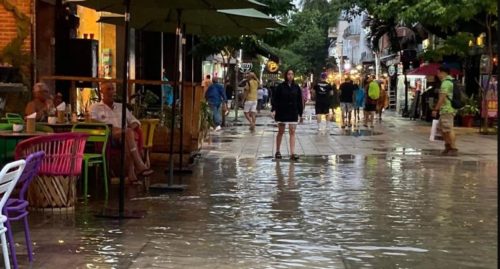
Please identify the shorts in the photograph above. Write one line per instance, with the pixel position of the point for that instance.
(250, 106)
(322, 108)
(446, 122)
(346, 107)
(370, 107)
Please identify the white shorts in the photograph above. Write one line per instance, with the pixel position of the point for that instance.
(346, 107)
(250, 106)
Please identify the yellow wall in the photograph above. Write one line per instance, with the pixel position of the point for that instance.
(104, 33)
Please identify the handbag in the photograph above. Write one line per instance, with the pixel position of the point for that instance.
(434, 130)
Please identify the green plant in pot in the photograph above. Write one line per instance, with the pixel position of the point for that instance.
(469, 111)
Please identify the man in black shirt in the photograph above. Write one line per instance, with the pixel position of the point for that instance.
(322, 92)
(346, 101)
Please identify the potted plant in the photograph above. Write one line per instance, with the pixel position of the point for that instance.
(469, 111)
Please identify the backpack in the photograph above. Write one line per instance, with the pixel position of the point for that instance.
(374, 90)
(459, 98)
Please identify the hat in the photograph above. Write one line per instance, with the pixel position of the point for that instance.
(444, 68)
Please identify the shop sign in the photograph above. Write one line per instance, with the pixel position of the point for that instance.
(245, 67)
(272, 66)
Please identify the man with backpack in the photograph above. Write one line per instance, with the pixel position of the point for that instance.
(447, 105)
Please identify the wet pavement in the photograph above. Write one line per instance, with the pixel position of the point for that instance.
(381, 199)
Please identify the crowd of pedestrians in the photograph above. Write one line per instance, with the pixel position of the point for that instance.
(288, 101)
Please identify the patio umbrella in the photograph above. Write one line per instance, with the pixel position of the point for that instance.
(119, 6)
(431, 70)
(242, 22)
(129, 7)
(220, 22)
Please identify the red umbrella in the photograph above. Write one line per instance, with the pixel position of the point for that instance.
(431, 70)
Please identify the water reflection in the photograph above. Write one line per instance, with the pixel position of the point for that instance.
(346, 211)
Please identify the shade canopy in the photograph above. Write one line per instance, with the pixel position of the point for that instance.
(198, 22)
(431, 70)
(117, 6)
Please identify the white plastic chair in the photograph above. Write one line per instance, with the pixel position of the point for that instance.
(9, 175)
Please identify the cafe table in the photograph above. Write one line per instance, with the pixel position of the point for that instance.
(59, 127)
(9, 140)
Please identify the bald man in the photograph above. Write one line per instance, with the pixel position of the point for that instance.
(41, 104)
(109, 112)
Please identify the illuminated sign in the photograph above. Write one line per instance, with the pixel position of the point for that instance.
(272, 67)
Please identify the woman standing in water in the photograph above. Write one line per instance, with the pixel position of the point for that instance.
(287, 108)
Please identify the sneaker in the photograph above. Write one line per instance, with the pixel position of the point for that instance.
(218, 128)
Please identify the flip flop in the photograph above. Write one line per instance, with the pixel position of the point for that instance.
(146, 172)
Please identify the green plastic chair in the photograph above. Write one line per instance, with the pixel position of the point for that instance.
(43, 128)
(98, 134)
(14, 118)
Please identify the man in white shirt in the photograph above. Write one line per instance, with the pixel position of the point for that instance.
(109, 112)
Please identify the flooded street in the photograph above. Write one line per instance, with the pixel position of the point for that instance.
(336, 212)
(394, 207)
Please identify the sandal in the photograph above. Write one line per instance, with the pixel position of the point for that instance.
(294, 157)
(278, 155)
(146, 172)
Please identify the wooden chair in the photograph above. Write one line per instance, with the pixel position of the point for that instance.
(99, 135)
(148, 127)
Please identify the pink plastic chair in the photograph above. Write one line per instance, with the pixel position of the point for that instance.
(62, 163)
(63, 152)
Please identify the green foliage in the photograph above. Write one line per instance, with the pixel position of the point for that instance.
(454, 45)
(450, 20)
(307, 34)
(206, 120)
(471, 107)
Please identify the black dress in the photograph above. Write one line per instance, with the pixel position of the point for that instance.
(287, 103)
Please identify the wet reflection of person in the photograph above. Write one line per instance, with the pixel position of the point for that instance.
(287, 109)
(287, 199)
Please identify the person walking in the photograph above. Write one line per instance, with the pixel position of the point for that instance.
(322, 92)
(306, 94)
(334, 102)
(382, 101)
(359, 101)
(206, 83)
(260, 99)
(373, 94)
(229, 95)
(446, 112)
(286, 109)
(346, 101)
(215, 96)
(266, 96)
(250, 97)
